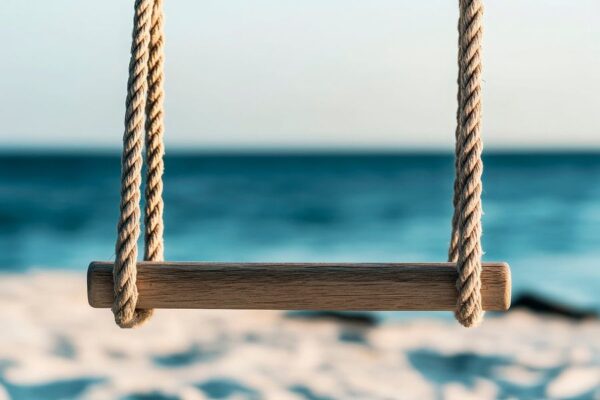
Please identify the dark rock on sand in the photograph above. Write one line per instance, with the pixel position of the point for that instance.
(354, 318)
(543, 305)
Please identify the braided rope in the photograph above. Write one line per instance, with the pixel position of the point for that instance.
(145, 70)
(465, 246)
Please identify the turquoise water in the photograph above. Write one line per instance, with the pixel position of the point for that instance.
(542, 212)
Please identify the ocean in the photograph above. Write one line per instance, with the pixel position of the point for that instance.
(542, 212)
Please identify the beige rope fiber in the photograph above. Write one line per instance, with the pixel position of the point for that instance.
(144, 117)
(153, 238)
(144, 113)
(465, 243)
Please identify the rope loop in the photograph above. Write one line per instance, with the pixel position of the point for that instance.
(143, 123)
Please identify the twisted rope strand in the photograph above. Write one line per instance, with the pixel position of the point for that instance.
(153, 217)
(128, 228)
(454, 237)
(468, 187)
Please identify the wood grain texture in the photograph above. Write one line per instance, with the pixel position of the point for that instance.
(272, 286)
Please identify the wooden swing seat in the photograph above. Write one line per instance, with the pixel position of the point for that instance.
(300, 286)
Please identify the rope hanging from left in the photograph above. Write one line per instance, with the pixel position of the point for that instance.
(143, 122)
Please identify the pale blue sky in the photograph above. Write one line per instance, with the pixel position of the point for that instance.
(302, 73)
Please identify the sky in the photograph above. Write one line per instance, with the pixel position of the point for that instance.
(332, 74)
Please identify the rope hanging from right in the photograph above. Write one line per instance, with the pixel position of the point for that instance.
(144, 114)
(465, 243)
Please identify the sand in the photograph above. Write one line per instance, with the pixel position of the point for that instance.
(53, 346)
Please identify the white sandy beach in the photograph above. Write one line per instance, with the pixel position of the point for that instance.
(53, 346)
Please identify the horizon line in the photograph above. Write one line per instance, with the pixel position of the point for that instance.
(289, 151)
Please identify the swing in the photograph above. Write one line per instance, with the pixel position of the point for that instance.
(133, 289)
